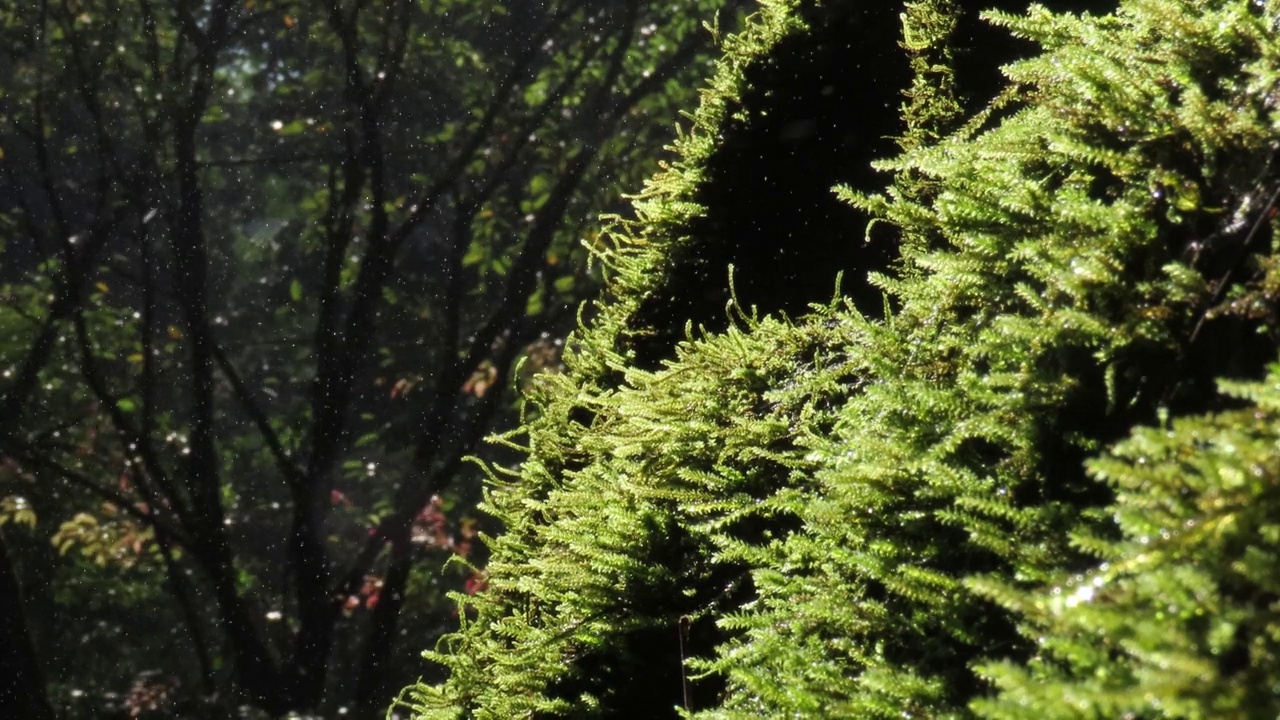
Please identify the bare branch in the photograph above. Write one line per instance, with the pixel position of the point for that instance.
(291, 472)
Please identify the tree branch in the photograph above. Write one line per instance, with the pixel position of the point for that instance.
(422, 207)
(506, 319)
(152, 516)
(284, 463)
(256, 669)
(128, 435)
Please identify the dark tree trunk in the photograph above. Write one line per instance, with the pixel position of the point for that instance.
(22, 689)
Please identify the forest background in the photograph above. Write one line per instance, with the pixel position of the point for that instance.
(269, 271)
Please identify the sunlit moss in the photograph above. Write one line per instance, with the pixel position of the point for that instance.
(855, 516)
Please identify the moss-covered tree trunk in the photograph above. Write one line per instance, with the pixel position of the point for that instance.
(916, 499)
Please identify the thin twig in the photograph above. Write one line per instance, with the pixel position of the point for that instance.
(1244, 248)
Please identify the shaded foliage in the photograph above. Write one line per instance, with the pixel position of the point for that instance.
(266, 270)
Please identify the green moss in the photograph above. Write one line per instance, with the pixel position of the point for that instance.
(866, 515)
(1181, 616)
